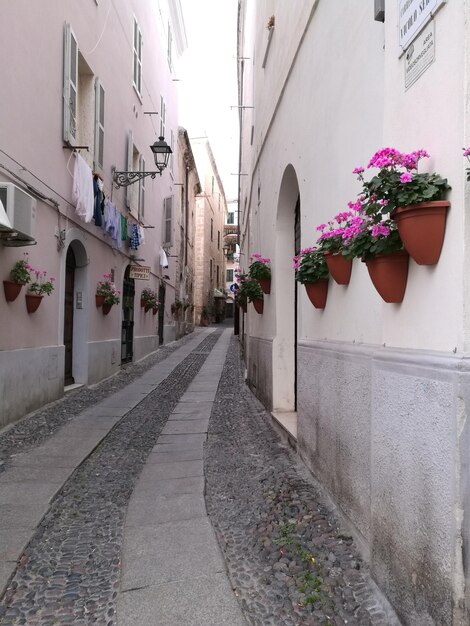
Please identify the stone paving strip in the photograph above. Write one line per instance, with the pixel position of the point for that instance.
(288, 558)
(173, 573)
(69, 571)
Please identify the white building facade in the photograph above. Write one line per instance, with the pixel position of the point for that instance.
(92, 83)
(381, 391)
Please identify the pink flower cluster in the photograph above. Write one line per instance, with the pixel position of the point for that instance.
(466, 152)
(343, 222)
(389, 157)
(40, 274)
(297, 260)
(257, 257)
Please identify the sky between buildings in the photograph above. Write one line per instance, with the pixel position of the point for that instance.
(208, 82)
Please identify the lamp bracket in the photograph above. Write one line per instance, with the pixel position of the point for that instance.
(124, 179)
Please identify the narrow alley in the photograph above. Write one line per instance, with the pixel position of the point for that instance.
(163, 496)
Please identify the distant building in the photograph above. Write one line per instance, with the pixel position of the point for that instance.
(211, 208)
(232, 254)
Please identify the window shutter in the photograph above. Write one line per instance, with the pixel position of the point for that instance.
(167, 221)
(99, 124)
(141, 188)
(137, 57)
(130, 155)
(70, 85)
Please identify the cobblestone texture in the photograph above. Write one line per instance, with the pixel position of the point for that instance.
(287, 559)
(70, 571)
(38, 426)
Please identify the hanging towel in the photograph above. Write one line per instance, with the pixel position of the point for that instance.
(123, 227)
(135, 240)
(82, 190)
(163, 258)
(98, 201)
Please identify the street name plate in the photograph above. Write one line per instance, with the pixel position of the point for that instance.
(412, 16)
(420, 55)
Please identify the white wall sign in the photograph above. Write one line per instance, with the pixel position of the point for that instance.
(419, 55)
(413, 15)
(139, 272)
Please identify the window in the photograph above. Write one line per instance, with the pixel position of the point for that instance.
(210, 268)
(162, 116)
(137, 58)
(212, 229)
(218, 240)
(217, 274)
(70, 85)
(168, 221)
(99, 124)
(229, 278)
(231, 218)
(83, 115)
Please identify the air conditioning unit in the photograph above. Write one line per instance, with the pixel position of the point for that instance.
(20, 208)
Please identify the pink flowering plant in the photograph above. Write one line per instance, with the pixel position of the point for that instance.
(372, 235)
(466, 153)
(40, 284)
(108, 289)
(310, 266)
(259, 267)
(250, 289)
(20, 271)
(332, 233)
(150, 298)
(398, 182)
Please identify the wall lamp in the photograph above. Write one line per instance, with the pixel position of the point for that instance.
(161, 153)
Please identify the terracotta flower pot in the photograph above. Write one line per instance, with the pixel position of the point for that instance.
(265, 284)
(317, 293)
(106, 308)
(421, 228)
(147, 308)
(259, 305)
(155, 310)
(99, 300)
(339, 267)
(142, 302)
(11, 289)
(389, 273)
(33, 301)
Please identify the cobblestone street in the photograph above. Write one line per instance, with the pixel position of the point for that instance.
(163, 496)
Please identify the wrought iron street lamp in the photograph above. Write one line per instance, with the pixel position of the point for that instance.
(161, 153)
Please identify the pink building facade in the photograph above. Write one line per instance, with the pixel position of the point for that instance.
(90, 83)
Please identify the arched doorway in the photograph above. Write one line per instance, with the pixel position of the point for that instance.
(75, 313)
(285, 341)
(127, 333)
(70, 265)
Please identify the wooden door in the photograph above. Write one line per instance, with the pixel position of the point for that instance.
(70, 265)
(127, 331)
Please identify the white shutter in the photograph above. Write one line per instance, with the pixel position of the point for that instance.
(167, 221)
(130, 156)
(70, 85)
(99, 124)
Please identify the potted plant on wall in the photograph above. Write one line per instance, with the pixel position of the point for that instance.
(333, 246)
(259, 270)
(240, 297)
(37, 288)
(414, 201)
(311, 271)
(19, 276)
(107, 289)
(376, 241)
(253, 292)
(148, 299)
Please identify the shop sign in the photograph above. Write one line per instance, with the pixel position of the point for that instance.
(139, 272)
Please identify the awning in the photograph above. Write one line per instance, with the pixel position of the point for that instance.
(218, 294)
